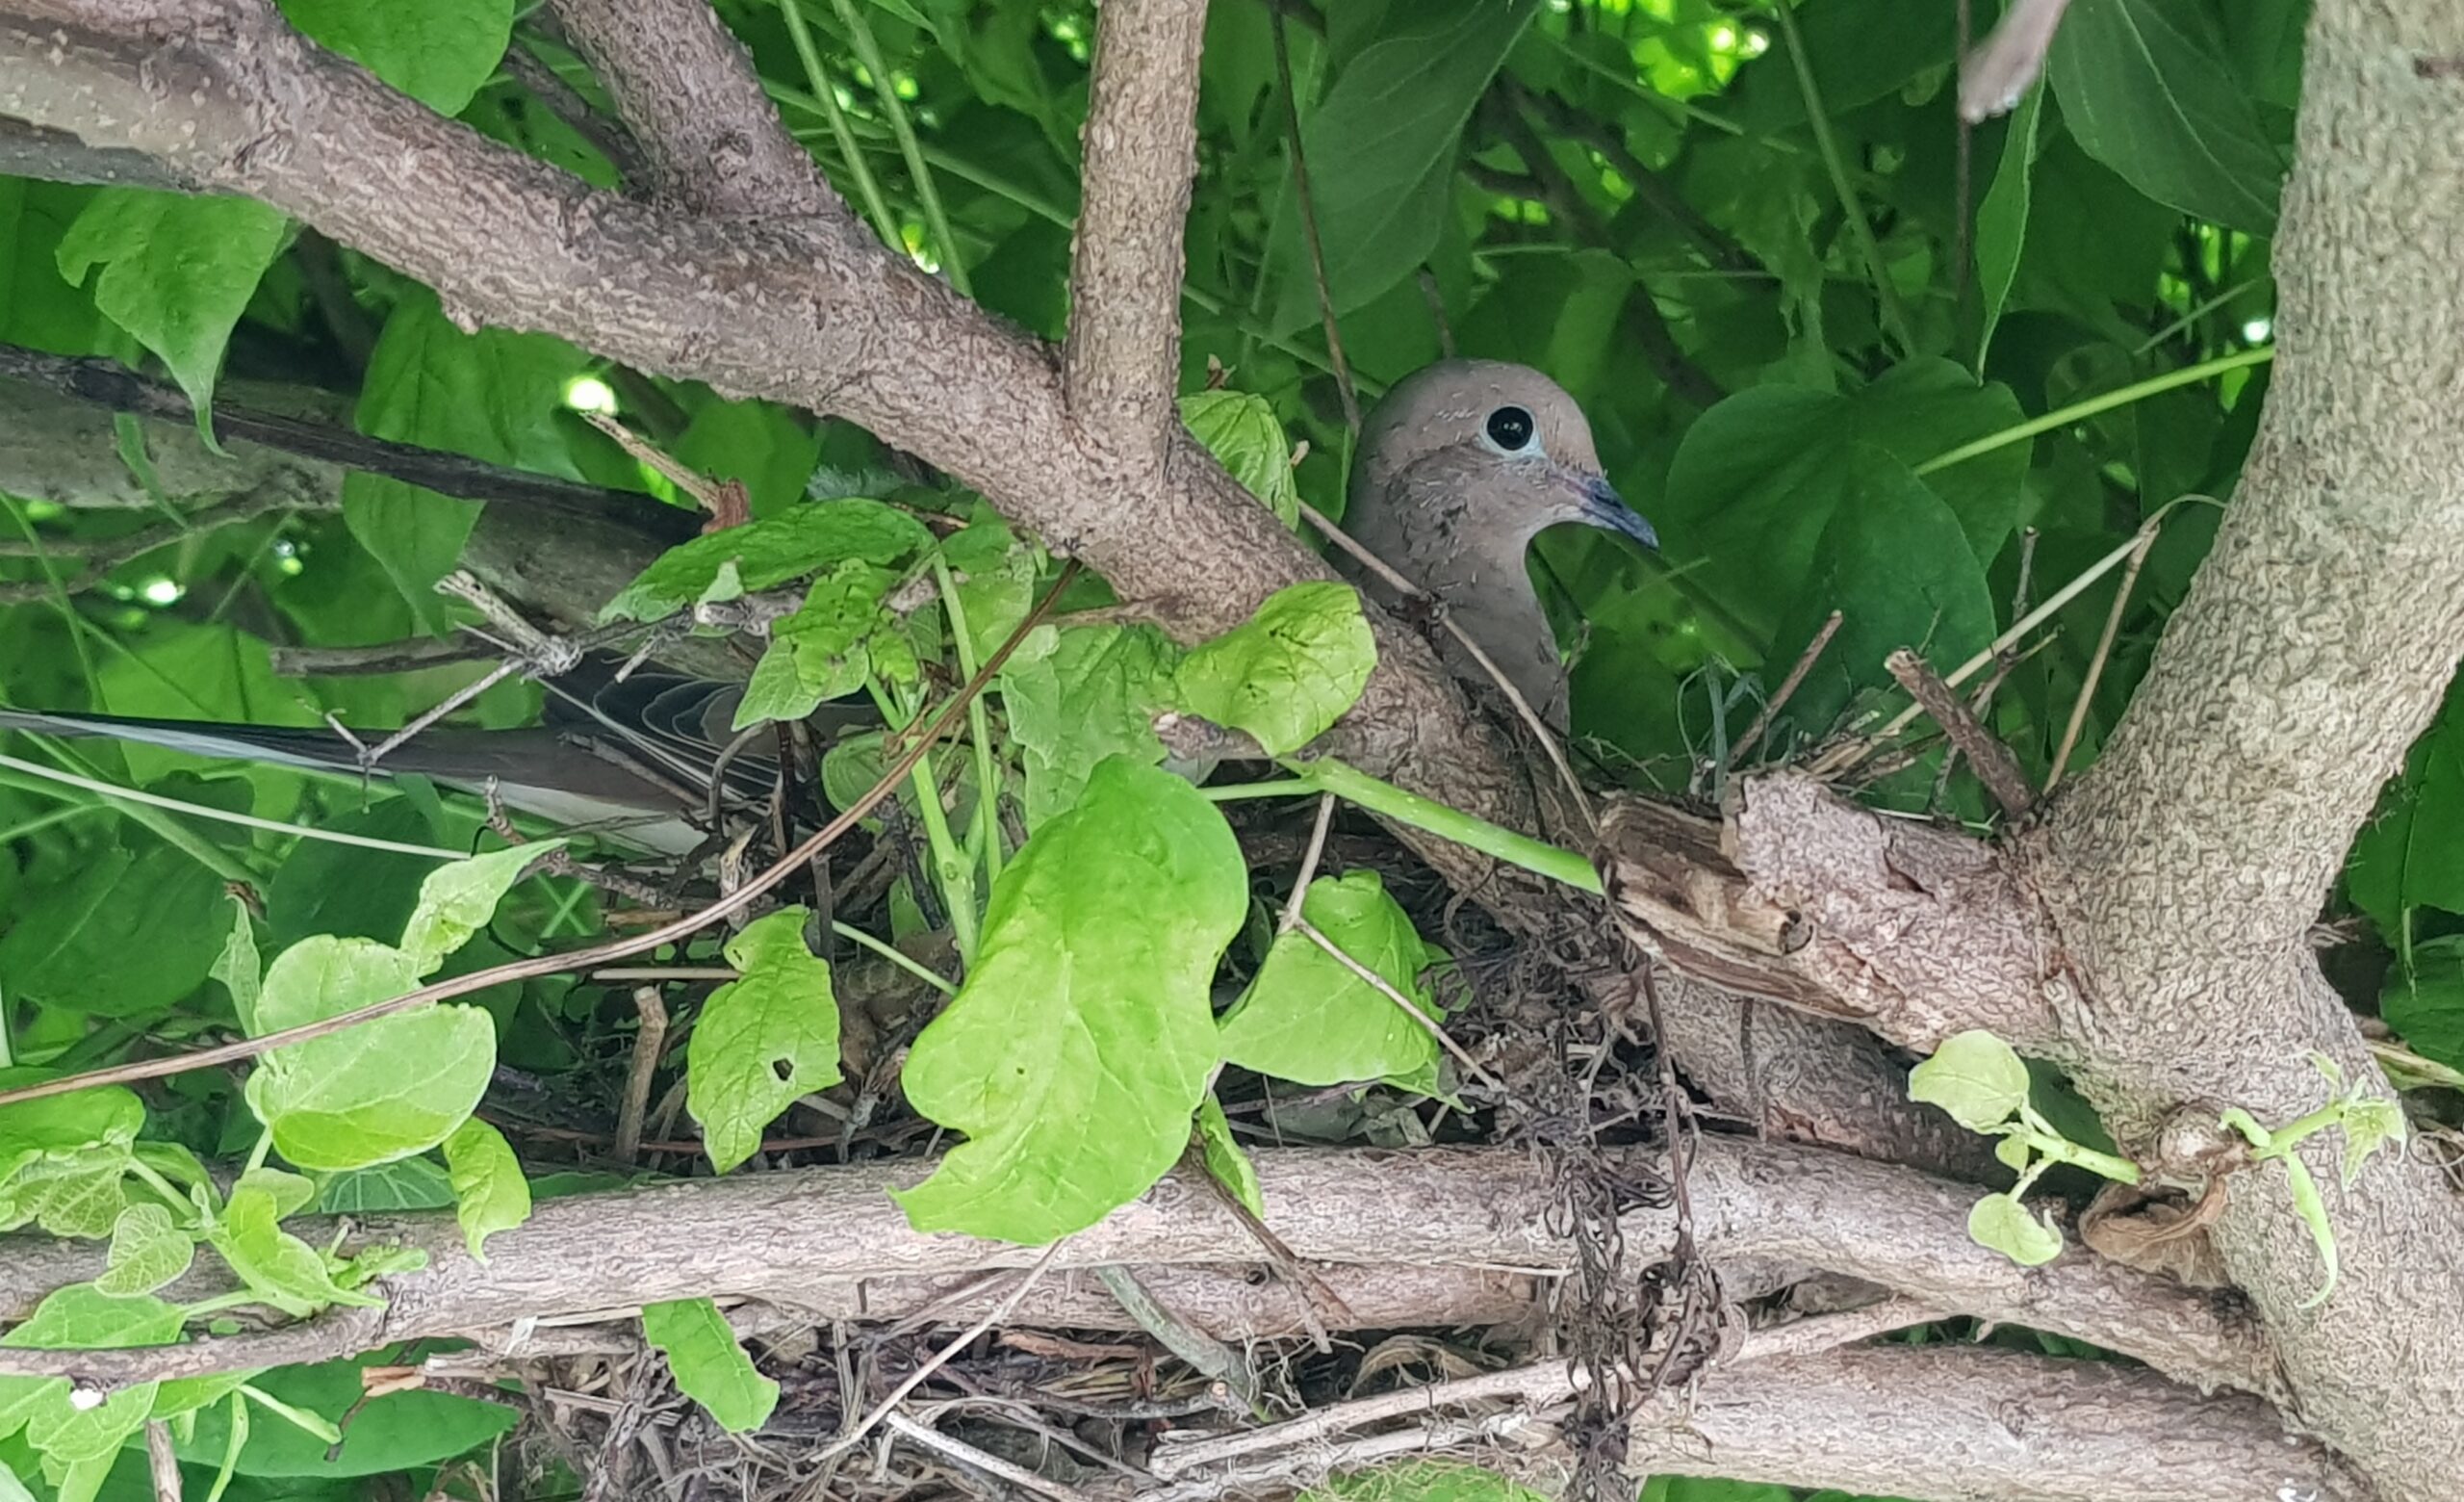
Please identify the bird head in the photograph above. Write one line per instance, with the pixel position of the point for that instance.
(1505, 446)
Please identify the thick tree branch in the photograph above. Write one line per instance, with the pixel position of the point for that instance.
(1961, 1425)
(792, 1238)
(1123, 363)
(709, 137)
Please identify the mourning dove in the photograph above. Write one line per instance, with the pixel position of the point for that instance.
(1460, 466)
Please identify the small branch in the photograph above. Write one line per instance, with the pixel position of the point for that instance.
(110, 384)
(102, 557)
(1121, 364)
(1788, 689)
(1995, 766)
(1343, 387)
(2096, 662)
(649, 1043)
(390, 657)
(983, 1460)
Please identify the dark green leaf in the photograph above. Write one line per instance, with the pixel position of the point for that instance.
(393, 1433)
(2146, 88)
(127, 935)
(2002, 218)
(765, 554)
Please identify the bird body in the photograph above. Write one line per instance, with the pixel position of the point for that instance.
(1460, 467)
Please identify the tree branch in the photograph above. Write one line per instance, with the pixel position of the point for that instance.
(708, 137)
(1122, 365)
(793, 1238)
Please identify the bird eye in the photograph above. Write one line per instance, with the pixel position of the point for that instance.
(1511, 429)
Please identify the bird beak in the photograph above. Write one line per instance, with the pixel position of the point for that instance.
(1597, 503)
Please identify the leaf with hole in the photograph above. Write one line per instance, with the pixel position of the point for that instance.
(762, 1039)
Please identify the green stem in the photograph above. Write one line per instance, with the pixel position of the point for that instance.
(868, 52)
(826, 94)
(2080, 411)
(1279, 787)
(979, 725)
(2056, 1148)
(887, 952)
(1328, 775)
(1894, 314)
(952, 871)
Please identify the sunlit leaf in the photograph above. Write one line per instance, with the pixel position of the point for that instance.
(458, 900)
(762, 1040)
(765, 554)
(1083, 1038)
(707, 1363)
(1079, 695)
(489, 1192)
(1975, 1076)
(1308, 1019)
(1287, 672)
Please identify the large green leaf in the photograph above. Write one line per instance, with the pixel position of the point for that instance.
(80, 1317)
(127, 935)
(2146, 88)
(762, 555)
(396, 1432)
(1307, 1018)
(1896, 566)
(1083, 1038)
(1079, 695)
(1381, 147)
(762, 1040)
(494, 394)
(437, 51)
(1287, 672)
(1760, 476)
(177, 272)
(2002, 217)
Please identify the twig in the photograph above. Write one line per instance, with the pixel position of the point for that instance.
(1981, 704)
(1530, 717)
(1786, 691)
(1209, 1357)
(390, 657)
(579, 959)
(109, 384)
(1384, 988)
(649, 1041)
(1995, 766)
(984, 1460)
(1121, 362)
(161, 1460)
(941, 1357)
(1435, 297)
(1309, 226)
(1308, 863)
(2096, 661)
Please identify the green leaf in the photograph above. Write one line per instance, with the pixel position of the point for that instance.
(178, 270)
(278, 1267)
(127, 935)
(2312, 1211)
(2411, 854)
(802, 540)
(238, 967)
(1077, 696)
(458, 900)
(2427, 1004)
(2146, 88)
(827, 647)
(290, 1193)
(383, 1090)
(768, 448)
(996, 580)
(80, 1317)
(1226, 1159)
(1308, 1019)
(2002, 1224)
(762, 1040)
(1975, 1076)
(325, 886)
(1082, 1037)
(437, 51)
(1454, 1480)
(2002, 216)
(1894, 563)
(1759, 478)
(1240, 431)
(399, 1431)
(411, 1183)
(148, 1252)
(489, 1192)
(1381, 147)
(1287, 672)
(707, 1363)
(80, 1197)
(495, 396)
(69, 1126)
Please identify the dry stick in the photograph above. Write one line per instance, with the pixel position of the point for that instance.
(597, 954)
(161, 1460)
(941, 1357)
(1309, 229)
(1840, 758)
(647, 1043)
(2003, 662)
(1995, 766)
(1789, 687)
(984, 1460)
(1308, 863)
(2096, 662)
(1384, 988)
(1530, 717)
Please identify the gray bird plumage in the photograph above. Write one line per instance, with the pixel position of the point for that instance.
(1460, 466)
